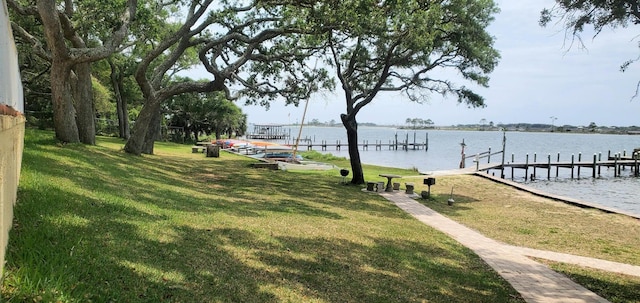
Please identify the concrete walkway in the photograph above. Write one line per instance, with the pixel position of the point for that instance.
(534, 281)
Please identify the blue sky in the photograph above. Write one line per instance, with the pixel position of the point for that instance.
(539, 76)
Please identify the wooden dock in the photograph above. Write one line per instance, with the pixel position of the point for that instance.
(365, 145)
(618, 162)
(395, 144)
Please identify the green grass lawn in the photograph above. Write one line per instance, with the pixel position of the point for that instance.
(93, 224)
(519, 218)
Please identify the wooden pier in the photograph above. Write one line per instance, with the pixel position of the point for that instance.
(395, 144)
(619, 162)
(365, 145)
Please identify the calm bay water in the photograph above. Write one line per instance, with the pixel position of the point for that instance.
(444, 153)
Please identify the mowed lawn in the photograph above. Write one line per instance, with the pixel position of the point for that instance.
(94, 224)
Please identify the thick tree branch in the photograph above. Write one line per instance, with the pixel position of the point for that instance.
(36, 44)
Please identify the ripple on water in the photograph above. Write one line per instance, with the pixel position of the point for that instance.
(616, 192)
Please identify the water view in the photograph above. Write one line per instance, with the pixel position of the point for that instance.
(444, 152)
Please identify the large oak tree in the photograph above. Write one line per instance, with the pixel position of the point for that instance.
(249, 48)
(403, 46)
(76, 33)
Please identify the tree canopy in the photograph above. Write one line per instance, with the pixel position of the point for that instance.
(576, 15)
(205, 113)
(249, 48)
(403, 46)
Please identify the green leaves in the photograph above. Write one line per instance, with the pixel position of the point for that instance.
(395, 45)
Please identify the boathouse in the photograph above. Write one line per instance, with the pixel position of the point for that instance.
(268, 132)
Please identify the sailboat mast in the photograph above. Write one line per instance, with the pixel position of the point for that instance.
(295, 149)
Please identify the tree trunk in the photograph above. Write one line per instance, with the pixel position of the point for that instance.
(195, 135)
(64, 113)
(83, 94)
(121, 105)
(153, 133)
(349, 122)
(136, 142)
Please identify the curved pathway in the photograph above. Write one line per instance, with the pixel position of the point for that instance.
(534, 281)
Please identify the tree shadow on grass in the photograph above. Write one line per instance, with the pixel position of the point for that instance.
(94, 238)
(77, 254)
(199, 184)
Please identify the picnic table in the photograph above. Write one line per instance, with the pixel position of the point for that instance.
(389, 177)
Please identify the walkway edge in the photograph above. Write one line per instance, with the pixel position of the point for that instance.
(535, 282)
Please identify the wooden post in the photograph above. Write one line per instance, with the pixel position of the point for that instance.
(396, 142)
(558, 166)
(489, 156)
(504, 144)
(526, 168)
(512, 161)
(535, 159)
(549, 167)
(599, 159)
(635, 166)
(426, 142)
(593, 173)
(579, 166)
(337, 144)
(414, 140)
(572, 161)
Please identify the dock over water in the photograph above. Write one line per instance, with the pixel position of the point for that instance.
(618, 162)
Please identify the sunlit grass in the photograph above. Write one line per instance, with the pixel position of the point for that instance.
(94, 224)
(616, 288)
(520, 218)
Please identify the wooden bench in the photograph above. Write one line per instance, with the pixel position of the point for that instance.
(409, 187)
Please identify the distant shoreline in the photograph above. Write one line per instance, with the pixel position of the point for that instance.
(513, 127)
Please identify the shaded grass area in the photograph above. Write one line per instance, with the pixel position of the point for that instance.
(93, 224)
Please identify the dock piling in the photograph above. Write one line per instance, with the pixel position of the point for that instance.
(593, 173)
(549, 167)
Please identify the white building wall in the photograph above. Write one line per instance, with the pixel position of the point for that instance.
(11, 129)
(11, 92)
